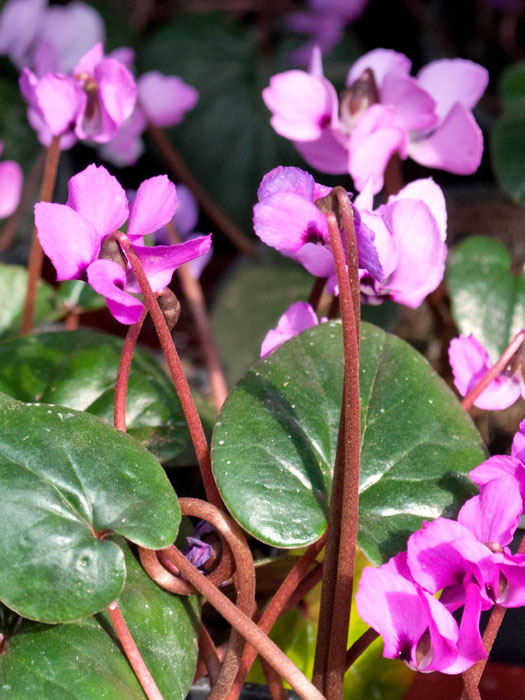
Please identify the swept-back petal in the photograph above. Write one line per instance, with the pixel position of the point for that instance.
(327, 153)
(58, 98)
(455, 146)
(287, 179)
(297, 318)
(108, 278)
(153, 207)
(165, 98)
(286, 221)
(159, 262)
(11, 179)
(117, 96)
(452, 80)
(415, 108)
(381, 62)
(67, 238)
(494, 515)
(98, 196)
(470, 645)
(430, 193)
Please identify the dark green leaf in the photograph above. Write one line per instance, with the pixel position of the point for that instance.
(487, 300)
(75, 294)
(78, 369)
(274, 443)
(512, 87)
(66, 477)
(20, 141)
(508, 153)
(13, 289)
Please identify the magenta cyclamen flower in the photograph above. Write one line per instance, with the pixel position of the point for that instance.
(11, 179)
(415, 626)
(287, 219)
(470, 362)
(297, 318)
(93, 103)
(72, 236)
(383, 111)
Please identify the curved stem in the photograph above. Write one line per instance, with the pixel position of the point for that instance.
(359, 646)
(177, 373)
(121, 386)
(249, 630)
(193, 293)
(36, 254)
(208, 652)
(316, 292)
(275, 607)
(338, 573)
(493, 372)
(181, 171)
(132, 653)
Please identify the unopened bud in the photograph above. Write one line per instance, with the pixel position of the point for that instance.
(330, 203)
(110, 250)
(358, 98)
(170, 307)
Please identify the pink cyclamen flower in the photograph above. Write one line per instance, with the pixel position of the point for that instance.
(296, 319)
(383, 111)
(73, 234)
(163, 100)
(416, 627)
(48, 39)
(470, 362)
(11, 180)
(287, 219)
(445, 554)
(410, 238)
(93, 103)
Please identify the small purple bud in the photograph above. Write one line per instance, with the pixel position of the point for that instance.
(170, 306)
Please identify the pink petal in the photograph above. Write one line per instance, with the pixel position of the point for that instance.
(98, 196)
(494, 515)
(297, 318)
(67, 238)
(117, 96)
(159, 262)
(165, 99)
(58, 98)
(495, 467)
(470, 644)
(318, 260)
(415, 108)
(453, 80)
(513, 569)
(381, 61)
(124, 55)
(518, 443)
(187, 211)
(11, 179)
(430, 193)
(285, 220)
(301, 104)
(456, 146)
(153, 207)
(470, 362)
(421, 252)
(20, 22)
(327, 154)
(126, 147)
(108, 278)
(67, 140)
(287, 179)
(384, 242)
(373, 141)
(88, 61)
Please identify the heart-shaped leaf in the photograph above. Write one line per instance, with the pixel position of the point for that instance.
(487, 300)
(13, 290)
(38, 660)
(274, 443)
(78, 369)
(66, 479)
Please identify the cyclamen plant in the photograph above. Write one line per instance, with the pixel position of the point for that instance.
(340, 437)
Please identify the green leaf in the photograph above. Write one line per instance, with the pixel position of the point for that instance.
(230, 123)
(249, 302)
(274, 443)
(512, 87)
(66, 478)
(487, 300)
(75, 294)
(508, 153)
(83, 661)
(20, 141)
(13, 289)
(78, 369)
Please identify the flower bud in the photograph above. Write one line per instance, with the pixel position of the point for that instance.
(110, 250)
(358, 98)
(170, 307)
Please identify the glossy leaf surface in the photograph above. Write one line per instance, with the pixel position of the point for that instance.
(66, 478)
(13, 289)
(78, 369)
(274, 443)
(487, 300)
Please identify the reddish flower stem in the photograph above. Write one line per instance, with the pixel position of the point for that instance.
(208, 653)
(181, 171)
(338, 573)
(394, 175)
(273, 681)
(275, 608)
(494, 371)
(193, 293)
(360, 645)
(121, 386)
(72, 321)
(309, 581)
(36, 254)
(249, 630)
(132, 653)
(177, 373)
(316, 292)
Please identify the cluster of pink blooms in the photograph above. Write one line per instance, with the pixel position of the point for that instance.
(470, 362)
(383, 111)
(468, 560)
(72, 235)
